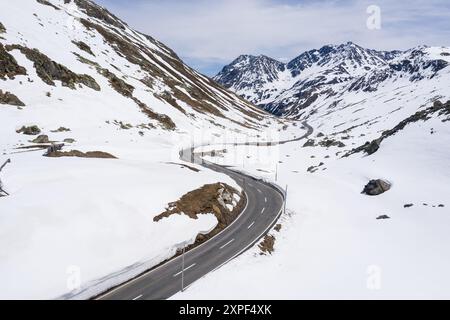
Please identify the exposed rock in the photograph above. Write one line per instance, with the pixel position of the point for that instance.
(31, 130)
(61, 129)
(69, 140)
(83, 46)
(41, 139)
(50, 71)
(441, 206)
(9, 66)
(2, 28)
(46, 3)
(100, 13)
(309, 143)
(118, 84)
(320, 135)
(79, 154)
(278, 227)
(409, 205)
(383, 217)
(10, 99)
(376, 187)
(331, 143)
(423, 115)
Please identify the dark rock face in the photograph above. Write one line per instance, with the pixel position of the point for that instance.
(50, 71)
(2, 28)
(376, 187)
(9, 68)
(31, 130)
(409, 205)
(46, 3)
(309, 143)
(11, 99)
(83, 46)
(383, 217)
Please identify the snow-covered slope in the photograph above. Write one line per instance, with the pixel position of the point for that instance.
(74, 73)
(375, 115)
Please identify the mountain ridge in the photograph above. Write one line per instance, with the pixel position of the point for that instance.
(336, 68)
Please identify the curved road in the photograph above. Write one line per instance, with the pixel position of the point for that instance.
(264, 206)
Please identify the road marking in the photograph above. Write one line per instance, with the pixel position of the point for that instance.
(138, 297)
(251, 225)
(259, 191)
(185, 269)
(227, 244)
(265, 199)
(262, 211)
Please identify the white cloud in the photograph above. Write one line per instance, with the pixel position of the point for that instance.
(218, 31)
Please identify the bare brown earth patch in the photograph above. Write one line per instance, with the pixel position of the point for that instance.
(267, 245)
(79, 154)
(211, 198)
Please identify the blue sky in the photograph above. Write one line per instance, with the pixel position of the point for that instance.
(207, 34)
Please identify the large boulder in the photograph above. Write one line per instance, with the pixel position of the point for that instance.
(41, 139)
(376, 187)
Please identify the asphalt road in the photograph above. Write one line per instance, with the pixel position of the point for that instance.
(264, 206)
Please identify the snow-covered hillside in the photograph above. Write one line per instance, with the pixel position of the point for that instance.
(73, 73)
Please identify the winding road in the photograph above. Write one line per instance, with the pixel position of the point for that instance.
(264, 206)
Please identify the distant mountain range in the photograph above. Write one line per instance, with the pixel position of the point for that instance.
(333, 71)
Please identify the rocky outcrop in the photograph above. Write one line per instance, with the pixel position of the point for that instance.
(46, 3)
(79, 154)
(10, 99)
(50, 71)
(41, 139)
(376, 187)
(30, 130)
(9, 68)
(83, 46)
(442, 109)
(2, 28)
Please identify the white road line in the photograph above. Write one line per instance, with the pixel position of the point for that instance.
(262, 211)
(265, 199)
(259, 191)
(185, 269)
(227, 244)
(251, 225)
(138, 297)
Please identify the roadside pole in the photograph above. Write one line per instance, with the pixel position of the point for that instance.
(276, 172)
(182, 269)
(285, 199)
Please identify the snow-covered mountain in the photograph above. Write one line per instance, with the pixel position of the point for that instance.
(329, 73)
